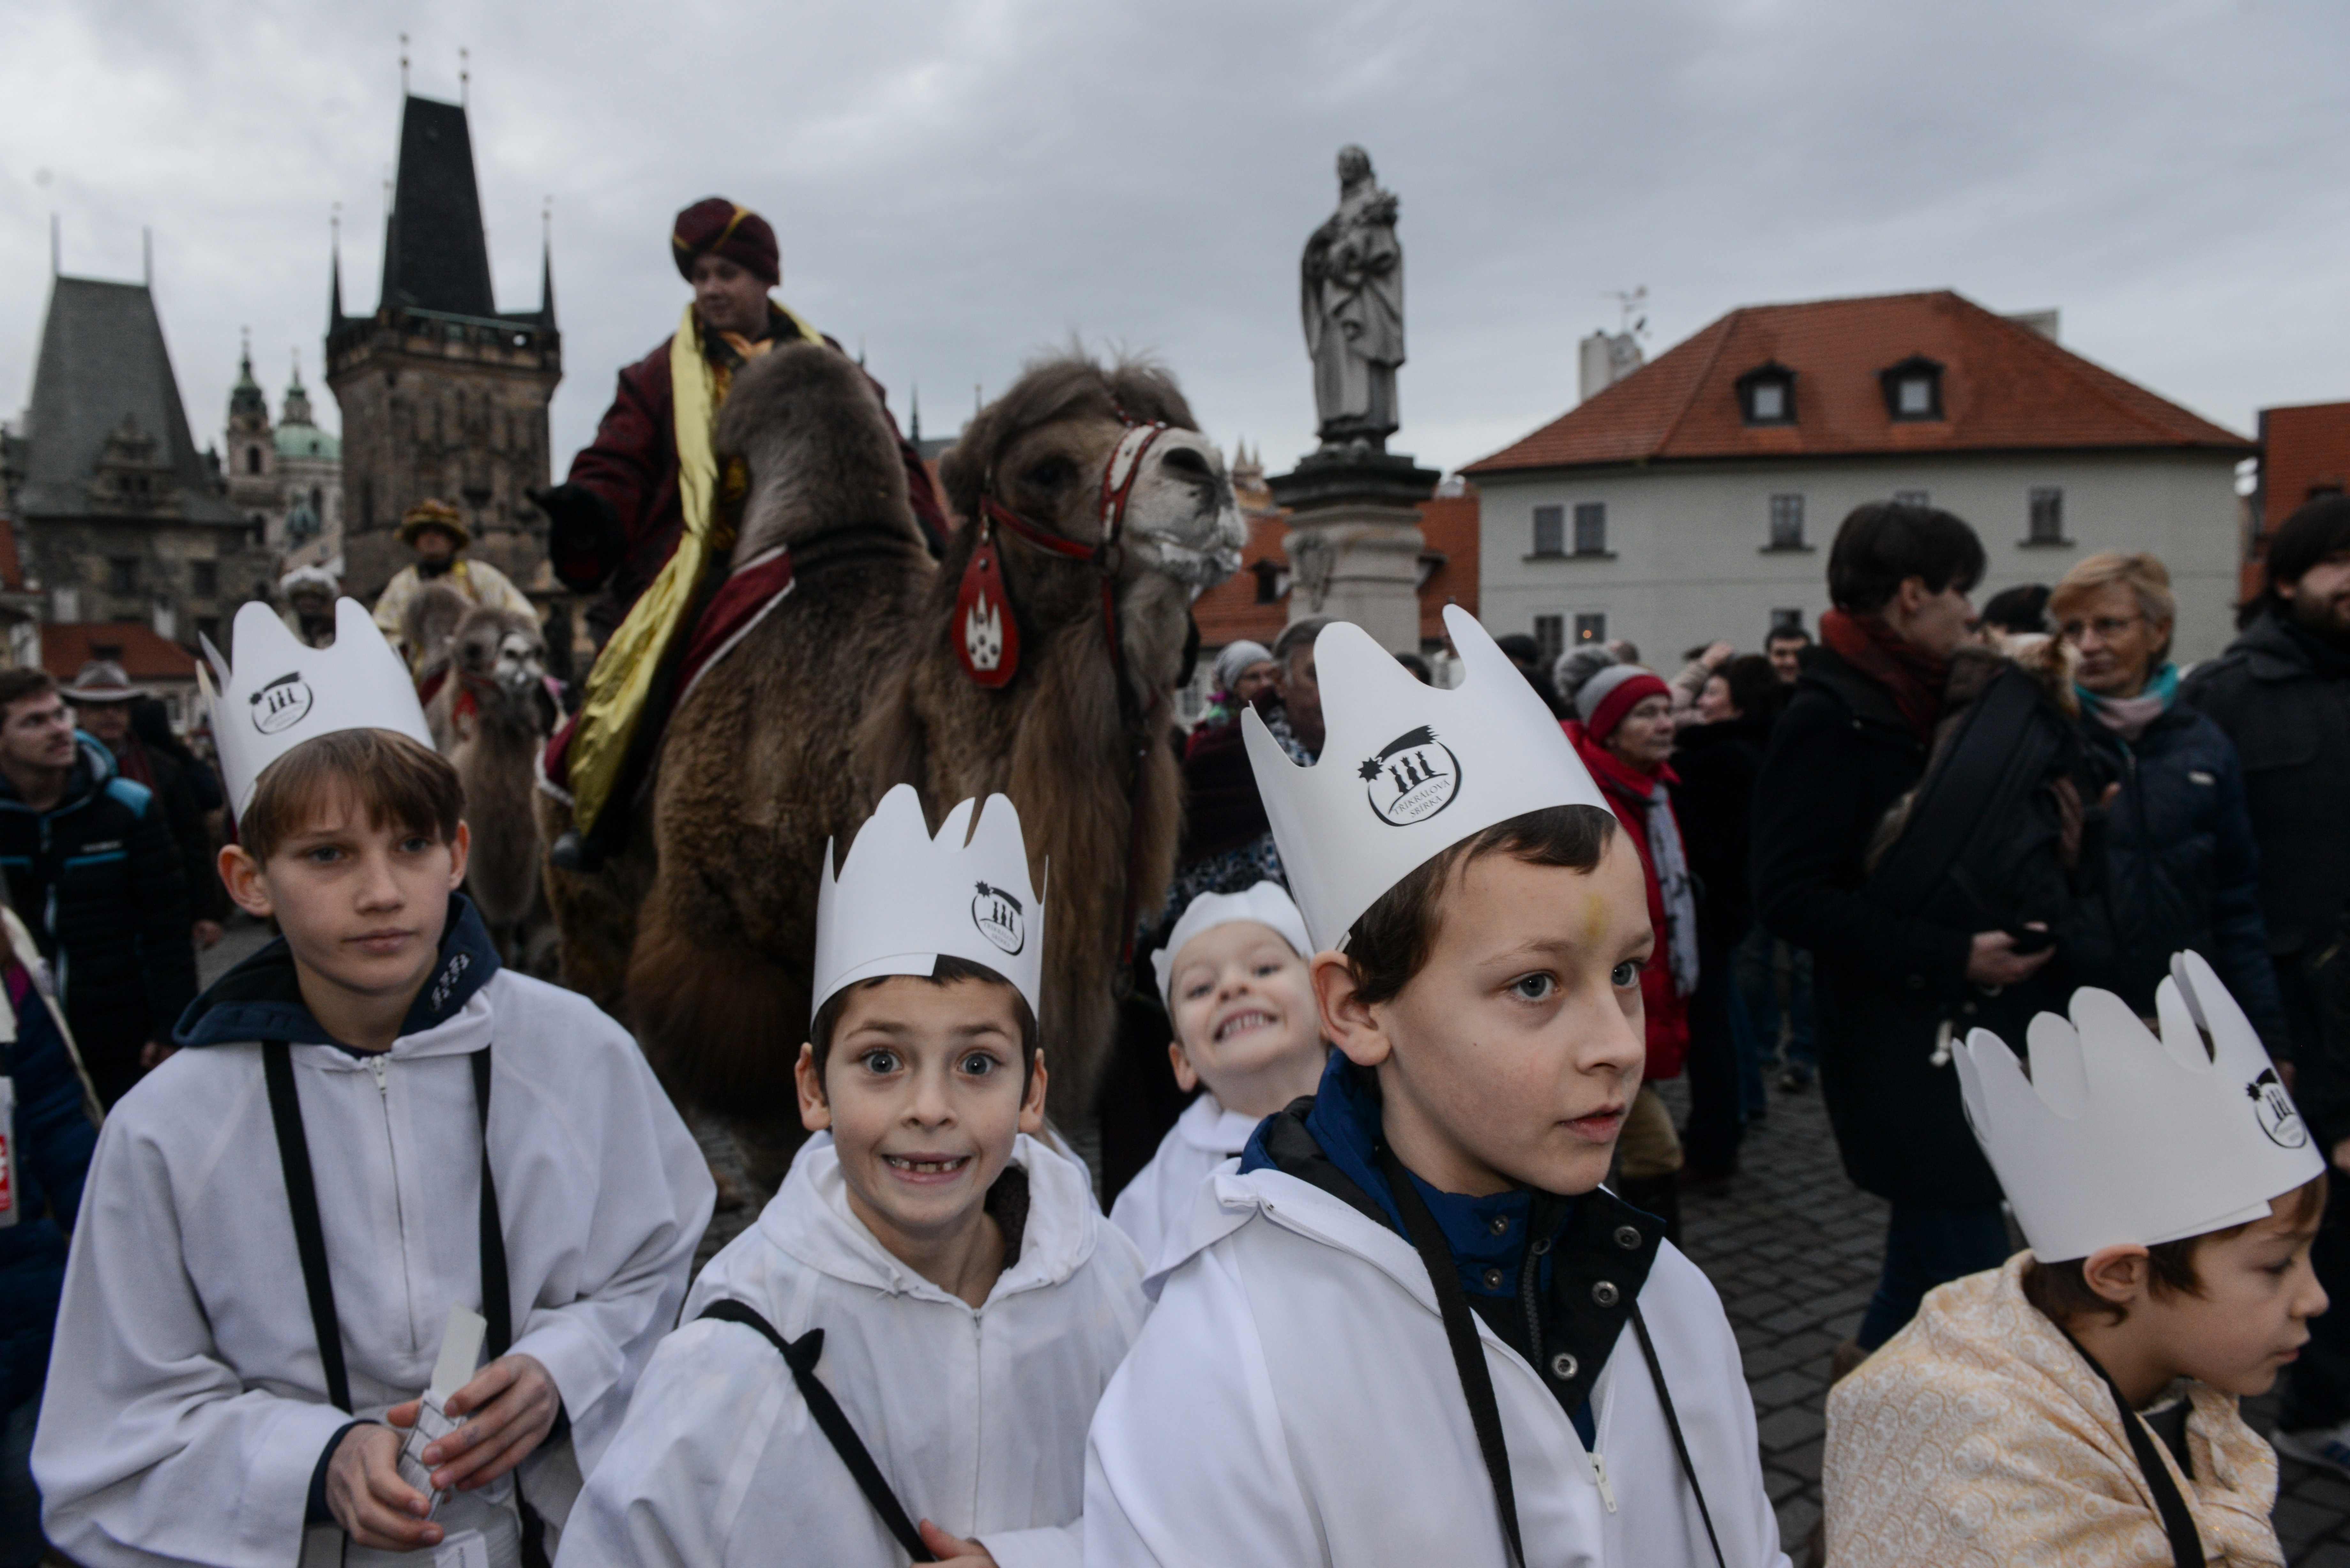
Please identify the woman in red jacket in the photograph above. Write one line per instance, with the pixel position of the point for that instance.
(1625, 732)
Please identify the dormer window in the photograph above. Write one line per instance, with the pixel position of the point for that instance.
(1913, 388)
(1766, 395)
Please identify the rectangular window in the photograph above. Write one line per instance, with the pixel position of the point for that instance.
(122, 574)
(1786, 621)
(1550, 637)
(203, 579)
(1786, 522)
(2047, 516)
(1913, 395)
(1590, 629)
(1910, 498)
(1591, 528)
(1769, 402)
(1550, 529)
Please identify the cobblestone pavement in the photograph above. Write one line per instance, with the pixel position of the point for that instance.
(1793, 1248)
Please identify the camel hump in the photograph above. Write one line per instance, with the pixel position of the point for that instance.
(822, 455)
(431, 620)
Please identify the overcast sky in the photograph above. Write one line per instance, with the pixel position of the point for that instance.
(961, 183)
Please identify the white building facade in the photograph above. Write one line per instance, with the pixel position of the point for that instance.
(1702, 503)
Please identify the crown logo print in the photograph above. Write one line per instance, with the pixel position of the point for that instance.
(281, 704)
(1414, 776)
(983, 634)
(996, 913)
(357, 683)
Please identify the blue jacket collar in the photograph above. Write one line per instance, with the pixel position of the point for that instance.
(1482, 1233)
(260, 999)
(93, 766)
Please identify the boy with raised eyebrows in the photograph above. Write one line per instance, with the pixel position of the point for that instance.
(899, 1360)
(1413, 1327)
(370, 1123)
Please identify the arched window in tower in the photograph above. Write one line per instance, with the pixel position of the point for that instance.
(253, 460)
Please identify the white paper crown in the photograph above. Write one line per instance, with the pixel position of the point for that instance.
(1265, 903)
(1407, 770)
(901, 899)
(2118, 1138)
(283, 693)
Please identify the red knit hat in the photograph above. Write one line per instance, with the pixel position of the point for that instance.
(1614, 691)
(716, 226)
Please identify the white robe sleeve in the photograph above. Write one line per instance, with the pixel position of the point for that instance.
(146, 1435)
(617, 1297)
(1186, 1462)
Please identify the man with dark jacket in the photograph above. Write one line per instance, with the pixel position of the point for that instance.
(107, 708)
(1852, 742)
(91, 863)
(2283, 693)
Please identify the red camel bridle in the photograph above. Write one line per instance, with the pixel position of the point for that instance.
(1106, 554)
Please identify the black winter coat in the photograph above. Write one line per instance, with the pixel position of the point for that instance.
(55, 1140)
(2182, 868)
(1883, 983)
(1714, 802)
(97, 877)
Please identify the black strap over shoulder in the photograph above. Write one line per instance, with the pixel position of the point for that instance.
(1461, 1333)
(310, 1243)
(2177, 1523)
(801, 1356)
(1477, 1380)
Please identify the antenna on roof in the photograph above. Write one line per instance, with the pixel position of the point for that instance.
(404, 65)
(464, 76)
(1633, 303)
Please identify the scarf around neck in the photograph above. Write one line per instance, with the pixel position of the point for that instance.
(1667, 859)
(1911, 675)
(2129, 717)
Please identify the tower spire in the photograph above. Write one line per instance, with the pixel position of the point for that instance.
(147, 256)
(404, 65)
(464, 77)
(546, 260)
(917, 437)
(55, 266)
(335, 269)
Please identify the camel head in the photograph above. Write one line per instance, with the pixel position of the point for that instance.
(503, 652)
(1040, 452)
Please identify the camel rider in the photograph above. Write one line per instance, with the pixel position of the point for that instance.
(643, 489)
(439, 536)
(308, 594)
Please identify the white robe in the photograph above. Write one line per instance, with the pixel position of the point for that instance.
(1292, 1400)
(1155, 1208)
(186, 1407)
(975, 1415)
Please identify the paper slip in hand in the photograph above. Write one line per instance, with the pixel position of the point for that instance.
(466, 1548)
(461, 1348)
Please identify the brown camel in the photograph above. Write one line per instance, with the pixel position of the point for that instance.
(850, 684)
(490, 718)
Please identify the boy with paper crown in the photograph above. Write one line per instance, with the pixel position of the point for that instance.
(900, 1358)
(2078, 1405)
(1234, 977)
(318, 1209)
(1412, 1327)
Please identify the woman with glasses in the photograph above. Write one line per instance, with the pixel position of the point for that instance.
(2182, 866)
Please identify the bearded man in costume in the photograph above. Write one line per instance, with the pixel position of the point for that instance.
(439, 536)
(636, 521)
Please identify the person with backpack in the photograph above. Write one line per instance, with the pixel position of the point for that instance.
(1853, 742)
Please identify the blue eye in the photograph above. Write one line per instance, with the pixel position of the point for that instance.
(979, 1064)
(1625, 975)
(1534, 987)
(880, 1063)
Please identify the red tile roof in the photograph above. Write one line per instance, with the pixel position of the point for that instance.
(67, 645)
(2005, 388)
(2304, 451)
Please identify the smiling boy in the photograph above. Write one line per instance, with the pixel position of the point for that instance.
(372, 1122)
(904, 1351)
(1235, 978)
(2079, 1404)
(1413, 1327)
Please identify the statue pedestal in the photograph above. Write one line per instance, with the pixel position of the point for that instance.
(1354, 540)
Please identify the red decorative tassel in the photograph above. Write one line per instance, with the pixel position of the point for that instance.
(986, 636)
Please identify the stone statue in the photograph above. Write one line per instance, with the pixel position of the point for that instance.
(1352, 288)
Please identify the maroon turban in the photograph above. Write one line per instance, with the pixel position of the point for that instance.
(715, 226)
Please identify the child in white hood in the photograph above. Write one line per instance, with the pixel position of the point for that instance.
(1234, 980)
(901, 1356)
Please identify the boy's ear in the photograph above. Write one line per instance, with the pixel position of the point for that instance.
(461, 849)
(247, 885)
(1186, 1078)
(1349, 1022)
(816, 1111)
(2122, 1275)
(1032, 1100)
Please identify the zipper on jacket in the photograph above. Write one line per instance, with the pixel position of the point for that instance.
(378, 1065)
(1600, 1474)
